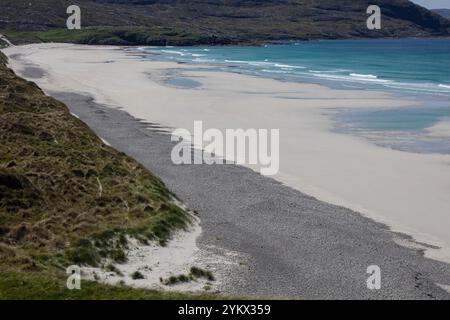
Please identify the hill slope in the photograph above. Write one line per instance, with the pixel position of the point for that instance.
(67, 198)
(217, 21)
(443, 12)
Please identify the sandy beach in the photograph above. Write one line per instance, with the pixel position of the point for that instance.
(408, 192)
(441, 129)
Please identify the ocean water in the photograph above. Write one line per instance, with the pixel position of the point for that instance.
(416, 69)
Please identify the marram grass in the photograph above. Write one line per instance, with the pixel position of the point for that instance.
(67, 198)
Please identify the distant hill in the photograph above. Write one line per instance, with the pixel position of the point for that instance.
(443, 12)
(215, 21)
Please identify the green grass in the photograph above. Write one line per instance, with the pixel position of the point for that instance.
(172, 280)
(3, 59)
(116, 36)
(137, 275)
(64, 35)
(112, 268)
(196, 273)
(3, 44)
(112, 244)
(200, 273)
(49, 286)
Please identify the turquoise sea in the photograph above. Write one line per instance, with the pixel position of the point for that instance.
(417, 69)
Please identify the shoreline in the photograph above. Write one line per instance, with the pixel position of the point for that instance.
(380, 183)
(287, 245)
(99, 97)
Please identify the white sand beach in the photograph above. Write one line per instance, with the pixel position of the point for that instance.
(440, 129)
(408, 192)
(157, 264)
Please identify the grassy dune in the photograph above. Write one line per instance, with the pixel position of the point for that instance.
(67, 198)
(3, 44)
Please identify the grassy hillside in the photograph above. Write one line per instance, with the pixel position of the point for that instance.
(116, 36)
(67, 198)
(3, 43)
(177, 22)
